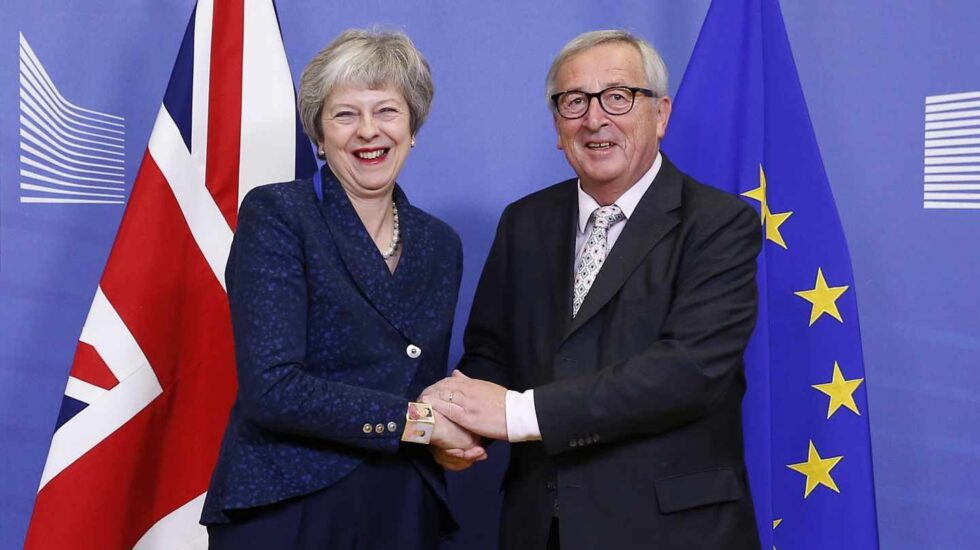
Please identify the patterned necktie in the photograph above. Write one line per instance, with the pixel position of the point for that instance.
(594, 253)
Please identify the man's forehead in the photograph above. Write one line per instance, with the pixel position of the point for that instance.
(610, 64)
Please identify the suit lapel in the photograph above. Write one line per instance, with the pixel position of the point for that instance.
(358, 252)
(652, 219)
(557, 227)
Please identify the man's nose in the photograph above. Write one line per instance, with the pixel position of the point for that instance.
(595, 117)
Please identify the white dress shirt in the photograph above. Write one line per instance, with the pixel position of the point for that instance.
(522, 418)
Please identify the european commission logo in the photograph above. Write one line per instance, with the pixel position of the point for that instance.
(68, 154)
(952, 151)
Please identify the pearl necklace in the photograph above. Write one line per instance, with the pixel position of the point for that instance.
(395, 235)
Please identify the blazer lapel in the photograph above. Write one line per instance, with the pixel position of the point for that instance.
(418, 265)
(557, 228)
(653, 218)
(357, 251)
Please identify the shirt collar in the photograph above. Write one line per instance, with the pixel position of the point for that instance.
(626, 202)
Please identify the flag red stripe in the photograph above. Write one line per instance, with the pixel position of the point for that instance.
(225, 106)
(163, 457)
(88, 366)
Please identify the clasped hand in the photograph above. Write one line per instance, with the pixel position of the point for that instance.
(473, 407)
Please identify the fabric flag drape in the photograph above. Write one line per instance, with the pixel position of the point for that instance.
(153, 376)
(740, 122)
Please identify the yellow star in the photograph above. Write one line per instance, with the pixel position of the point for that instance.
(759, 194)
(841, 392)
(775, 524)
(823, 297)
(817, 471)
(770, 220)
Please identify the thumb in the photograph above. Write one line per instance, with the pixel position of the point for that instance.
(459, 374)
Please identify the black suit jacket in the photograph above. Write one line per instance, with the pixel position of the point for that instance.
(639, 397)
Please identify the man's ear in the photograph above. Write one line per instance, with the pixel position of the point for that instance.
(557, 134)
(663, 115)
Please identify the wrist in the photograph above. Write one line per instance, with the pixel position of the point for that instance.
(420, 422)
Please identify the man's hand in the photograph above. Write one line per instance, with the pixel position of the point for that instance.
(476, 405)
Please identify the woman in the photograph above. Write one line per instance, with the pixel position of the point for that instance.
(342, 299)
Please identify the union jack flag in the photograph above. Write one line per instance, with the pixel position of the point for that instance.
(153, 375)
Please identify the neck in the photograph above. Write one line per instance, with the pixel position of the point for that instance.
(605, 193)
(375, 214)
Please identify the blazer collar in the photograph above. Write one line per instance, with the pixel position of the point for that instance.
(654, 217)
(394, 295)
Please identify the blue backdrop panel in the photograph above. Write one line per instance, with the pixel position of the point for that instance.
(866, 70)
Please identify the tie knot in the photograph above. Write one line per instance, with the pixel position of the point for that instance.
(606, 216)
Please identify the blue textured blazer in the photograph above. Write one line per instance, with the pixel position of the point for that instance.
(330, 345)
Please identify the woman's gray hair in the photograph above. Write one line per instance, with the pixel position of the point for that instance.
(653, 65)
(372, 58)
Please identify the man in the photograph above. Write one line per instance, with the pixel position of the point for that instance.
(616, 307)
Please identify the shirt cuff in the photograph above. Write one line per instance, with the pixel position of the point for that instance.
(522, 419)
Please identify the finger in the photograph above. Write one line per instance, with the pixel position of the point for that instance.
(475, 453)
(452, 411)
(459, 374)
(455, 453)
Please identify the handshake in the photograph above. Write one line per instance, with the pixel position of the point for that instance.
(465, 410)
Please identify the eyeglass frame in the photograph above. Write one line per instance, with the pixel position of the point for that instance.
(598, 96)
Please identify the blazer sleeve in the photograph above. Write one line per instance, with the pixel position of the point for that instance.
(267, 292)
(485, 341)
(694, 363)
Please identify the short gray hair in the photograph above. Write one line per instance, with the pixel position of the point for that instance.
(653, 64)
(373, 58)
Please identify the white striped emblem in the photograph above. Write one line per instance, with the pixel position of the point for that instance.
(951, 174)
(68, 154)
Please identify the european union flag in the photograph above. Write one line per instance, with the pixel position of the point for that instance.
(740, 122)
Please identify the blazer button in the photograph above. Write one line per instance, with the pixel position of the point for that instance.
(366, 428)
(413, 351)
(392, 426)
(571, 443)
(379, 429)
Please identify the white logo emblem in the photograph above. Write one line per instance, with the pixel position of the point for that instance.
(68, 154)
(952, 153)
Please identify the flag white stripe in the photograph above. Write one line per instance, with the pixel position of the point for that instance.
(186, 179)
(958, 169)
(53, 200)
(951, 205)
(952, 133)
(938, 179)
(951, 196)
(178, 530)
(953, 124)
(944, 107)
(268, 146)
(43, 189)
(946, 142)
(952, 187)
(105, 331)
(940, 151)
(951, 160)
(953, 115)
(202, 83)
(951, 97)
(83, 391)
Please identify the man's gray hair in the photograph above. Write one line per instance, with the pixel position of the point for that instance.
(653, 65)
(372, 58)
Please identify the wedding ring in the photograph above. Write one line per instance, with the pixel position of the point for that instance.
(451, 396)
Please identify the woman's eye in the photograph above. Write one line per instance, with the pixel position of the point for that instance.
(344, 116)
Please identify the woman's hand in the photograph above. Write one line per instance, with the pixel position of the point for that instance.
(453, 447)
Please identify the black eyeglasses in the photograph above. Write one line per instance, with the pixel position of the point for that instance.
(617, 100)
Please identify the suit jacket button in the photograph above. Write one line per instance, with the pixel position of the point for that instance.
(366, 428)
(379, 429)
(413, 351)
(392, 426)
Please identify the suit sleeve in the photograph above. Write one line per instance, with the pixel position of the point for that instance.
(486, 346)
(267, 292)
(695, 362)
